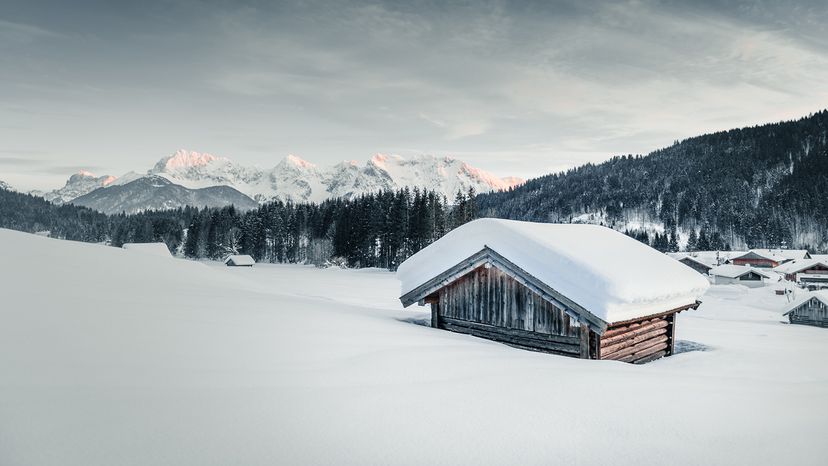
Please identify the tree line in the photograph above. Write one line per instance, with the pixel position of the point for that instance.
(373, 230)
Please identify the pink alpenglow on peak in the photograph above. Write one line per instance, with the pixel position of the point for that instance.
(186, 159)
(298, 161)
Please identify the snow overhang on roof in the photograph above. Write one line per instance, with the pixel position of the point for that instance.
(819, 295)
(799, 265)
(584, 267)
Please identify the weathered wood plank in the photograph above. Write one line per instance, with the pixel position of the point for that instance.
(503, 337)
(584, 338)
(645, 353)
(632, 350)
(650, 358)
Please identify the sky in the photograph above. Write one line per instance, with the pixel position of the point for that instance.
(516, 88)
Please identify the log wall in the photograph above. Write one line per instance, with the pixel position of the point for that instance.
(639, 341)
(812, 312)
(488, 303)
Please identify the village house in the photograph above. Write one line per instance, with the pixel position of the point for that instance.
(584, 291)
(239, 260)
(729, 274)
(807, 272)
(694, 262)
(769, 258)
(812, 310)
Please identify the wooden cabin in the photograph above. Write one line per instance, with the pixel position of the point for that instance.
(696, 263)
(576, 290)
(239, 260)
(807, 272)
(738, 275)
(813, 310)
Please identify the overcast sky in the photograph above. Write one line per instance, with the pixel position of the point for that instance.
(516, 88)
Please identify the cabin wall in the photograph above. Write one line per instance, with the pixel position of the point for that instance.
(488, 303)
(811, 312)
(639, 341)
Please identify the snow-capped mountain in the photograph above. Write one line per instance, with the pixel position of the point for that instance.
(292, 179)
(295, 179)
(158, 193)
(4, 185)
(78, 184)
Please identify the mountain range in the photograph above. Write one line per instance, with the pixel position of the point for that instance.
(186, 173)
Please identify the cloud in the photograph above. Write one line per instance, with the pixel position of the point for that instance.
(20, 33)
(512, 85)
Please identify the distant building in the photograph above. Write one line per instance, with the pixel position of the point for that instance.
(151, 249)
(239, 260)
(577, 290)
(808, 272)
(738, 275)
(769, 258)
(812, 310)
(694, 262)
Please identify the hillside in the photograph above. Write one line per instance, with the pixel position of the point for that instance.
(755, 187)
(158, 193)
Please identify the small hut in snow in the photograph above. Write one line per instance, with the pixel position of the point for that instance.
(151, 249)
(578, 290)
(738, 275)
(696, 263)
(239, 260)
(813, 310)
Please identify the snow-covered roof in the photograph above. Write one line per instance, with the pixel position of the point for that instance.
(240, 259)
(607, 273)
(820, 257)
(799, 265)
(153, 249)
(735, 271)
(681, 256)
(821, 295)
(779, 255)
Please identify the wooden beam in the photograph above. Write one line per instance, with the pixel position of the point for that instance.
(584, 334)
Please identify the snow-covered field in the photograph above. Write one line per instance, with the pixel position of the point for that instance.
(113, 357)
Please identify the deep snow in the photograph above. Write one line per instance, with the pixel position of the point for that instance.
(109, 357)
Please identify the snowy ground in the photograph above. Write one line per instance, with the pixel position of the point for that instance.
(112, 357)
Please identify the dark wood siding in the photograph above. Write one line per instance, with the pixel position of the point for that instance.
(489, 303)
(640, 341)
(811, 312)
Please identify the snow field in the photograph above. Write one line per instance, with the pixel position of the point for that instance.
(109, 357)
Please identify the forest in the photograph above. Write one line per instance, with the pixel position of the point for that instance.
(375, 230)
(761, 186)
